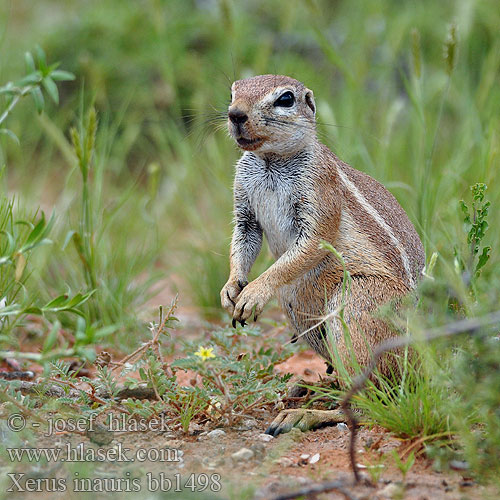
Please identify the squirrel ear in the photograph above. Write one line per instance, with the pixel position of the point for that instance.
(310, 101)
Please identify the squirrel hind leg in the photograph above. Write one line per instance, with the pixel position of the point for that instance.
(304, 420)
(366, 330)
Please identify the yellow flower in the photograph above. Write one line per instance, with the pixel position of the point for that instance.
(205, 353)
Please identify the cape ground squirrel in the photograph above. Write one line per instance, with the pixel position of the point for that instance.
(294, 190)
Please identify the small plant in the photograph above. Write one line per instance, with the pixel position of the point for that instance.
(23, 234)
(404, 467)
(231, 381)
(40, 76)
(84, 144)
(476, 378)
(234, 379)
(119, 269)
(376, 468)
(476, 225)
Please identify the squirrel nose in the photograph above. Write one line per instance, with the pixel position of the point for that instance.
(237, 116)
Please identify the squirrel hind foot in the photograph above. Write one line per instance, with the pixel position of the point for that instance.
(304, 419)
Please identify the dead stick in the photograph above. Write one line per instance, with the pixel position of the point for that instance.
(316, 489)
(462, 326)
(154, 343)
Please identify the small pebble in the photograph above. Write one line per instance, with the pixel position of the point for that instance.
(194, 428)
(286, 462)
(242, 455)
(342, 427)
(174, 443)
(459, 465)
(259, 450)
(314, 458)
(392, 490)
(246, 425)
(213, 464)
(216, 433)
(265, 437)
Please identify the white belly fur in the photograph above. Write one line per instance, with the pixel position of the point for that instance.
(272, 194)
(273, 214)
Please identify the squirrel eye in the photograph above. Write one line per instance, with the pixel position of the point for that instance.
(285, 100)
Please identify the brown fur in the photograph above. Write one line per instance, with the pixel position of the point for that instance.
(333, 202)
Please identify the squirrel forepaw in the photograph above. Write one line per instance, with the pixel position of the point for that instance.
(229, 294)
(251, 301)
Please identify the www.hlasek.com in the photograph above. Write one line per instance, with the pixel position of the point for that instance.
(82, 453)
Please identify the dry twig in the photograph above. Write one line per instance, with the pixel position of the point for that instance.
(318, 488)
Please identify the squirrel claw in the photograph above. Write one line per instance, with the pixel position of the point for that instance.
(234, 323)
(243, 323)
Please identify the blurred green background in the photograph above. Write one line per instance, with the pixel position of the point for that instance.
(389, 103)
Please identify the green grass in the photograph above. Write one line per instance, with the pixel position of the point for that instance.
(154, 204)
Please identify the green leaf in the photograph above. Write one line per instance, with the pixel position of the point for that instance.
(105, 331)
(11, 246)
(35, 234)
(60, 76)
(57, 302)
(483, 258)
(10, 134)
(51, 89)
(464, 207)
(68, 238)
(38, 98)
(31, 79)
(33, 310)
(51, 339)
(80, 299)
(10, 310)
(75, 311)
(30, 62)
(40, 56)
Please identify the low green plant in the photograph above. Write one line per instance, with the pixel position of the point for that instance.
(84, 147)
(24, 233)
(475, 372)
(235, 377)
(376, 467)
(403, 466)
(475, 219)
(98, 249)
(40, 77)
(231, 381)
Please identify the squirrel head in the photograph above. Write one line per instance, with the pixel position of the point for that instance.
(271, 114)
